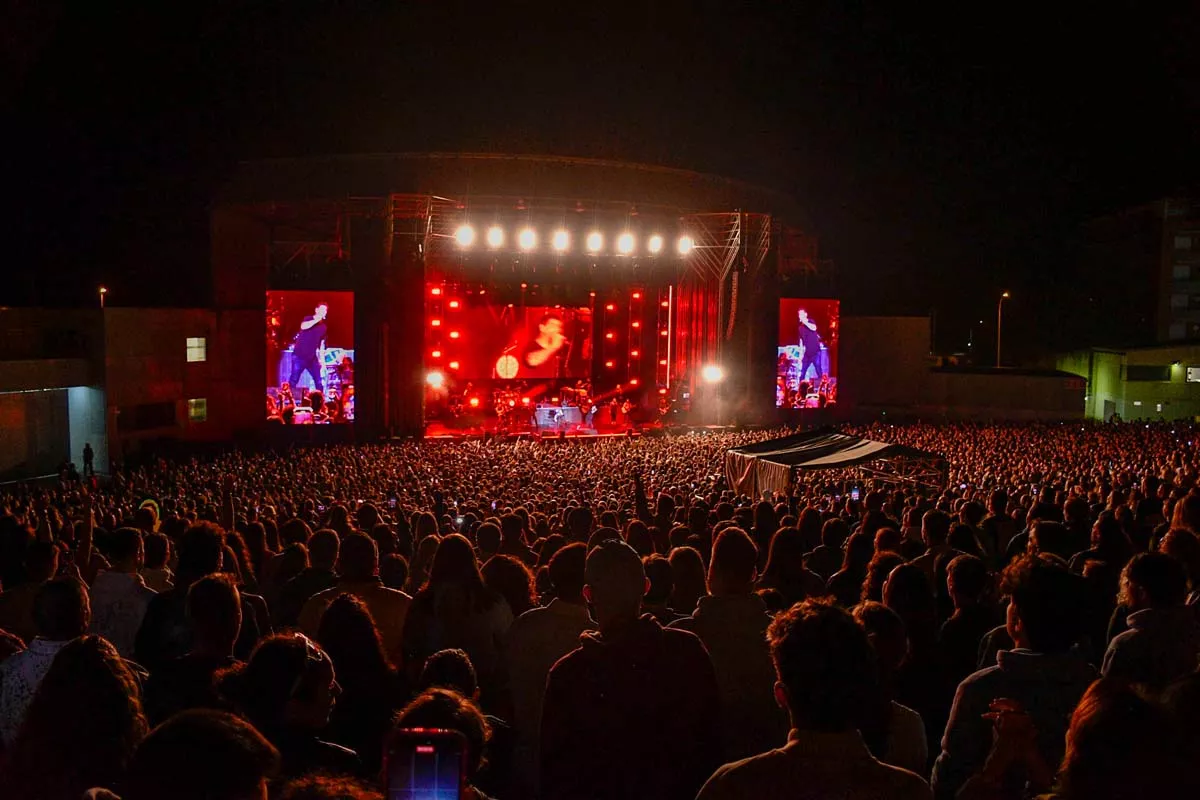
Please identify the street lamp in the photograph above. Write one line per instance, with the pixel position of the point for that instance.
(103, 291)
(999, 323)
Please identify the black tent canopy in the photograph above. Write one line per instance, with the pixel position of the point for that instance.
(772, 465)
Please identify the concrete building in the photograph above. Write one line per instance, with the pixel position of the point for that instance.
(1159, 383)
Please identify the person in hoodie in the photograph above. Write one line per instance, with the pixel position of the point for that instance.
(1163, 640)
(732, 623)
(1043, 676)
(119, 595)
(634, 711)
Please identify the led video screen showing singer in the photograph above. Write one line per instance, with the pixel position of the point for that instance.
(523, 343)
(807, 368)
(310, 357)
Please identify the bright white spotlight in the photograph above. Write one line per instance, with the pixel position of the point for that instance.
(464, 235)
(527, 239)
(685, 245)
(625, 244)
(495, 236)
(595, 242)
(561, 241)
(712, 373)
(654, 244)
(435, 379)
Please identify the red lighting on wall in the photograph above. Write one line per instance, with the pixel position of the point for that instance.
(436, 354)
(436, 291)
(608, 364)
(436, 323)
(453, 365)
(453, 334)
(474, 402)
(610, 307)
(454, 304)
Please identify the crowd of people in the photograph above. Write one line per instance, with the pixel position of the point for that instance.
(607, 619)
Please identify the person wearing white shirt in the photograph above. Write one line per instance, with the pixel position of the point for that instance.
(119, 596)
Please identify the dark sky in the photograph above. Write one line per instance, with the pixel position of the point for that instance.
(943, 155)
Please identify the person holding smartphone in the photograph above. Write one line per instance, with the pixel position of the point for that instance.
(436, 748)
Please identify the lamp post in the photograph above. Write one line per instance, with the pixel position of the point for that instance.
(999, 323)
(103, 291)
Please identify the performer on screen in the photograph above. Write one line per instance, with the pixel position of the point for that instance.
(542, 356)
(810, 340)
(309, 345)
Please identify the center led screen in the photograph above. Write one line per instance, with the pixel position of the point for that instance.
(517, 343)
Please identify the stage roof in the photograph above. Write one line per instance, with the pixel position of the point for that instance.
(768, 465)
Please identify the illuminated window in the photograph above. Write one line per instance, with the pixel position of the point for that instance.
(1193, 374)
(197, 348)
(198, 409)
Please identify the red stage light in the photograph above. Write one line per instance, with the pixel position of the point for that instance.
(663, 332)
(474, 402)
(512, 403)
(524, 285)
(436, 291)
(662, 362)
(610, 307)
(662, 391)
(454, 304)
(591, 294)
(634, 353)
(453, 334)
(608, 364)
(453, 365)
(524, 401)
(610, 335)
(436, 323)
(633, 381)
(636, 324)
(665, 304)
(436, 354)
(637, 295)
(483, 291)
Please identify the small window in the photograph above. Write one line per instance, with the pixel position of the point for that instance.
(1181, 272)
(1193, 374)
(1158, 407)
(198, 409)
(1137, 402)
(197, 348)
(1183, 243)
(1179, 301)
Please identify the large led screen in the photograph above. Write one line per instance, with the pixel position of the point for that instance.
(517, 343)
(310, 357)
(806, 373)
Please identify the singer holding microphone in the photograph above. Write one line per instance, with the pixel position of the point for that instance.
(542, 356)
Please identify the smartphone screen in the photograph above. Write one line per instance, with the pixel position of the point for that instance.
(854, 494)
(425, 764)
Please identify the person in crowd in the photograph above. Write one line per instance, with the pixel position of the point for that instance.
(535, 641)
(419, 567)
(119, 596)
(645, 696)
(785, 570)
(358, 574)
(882, 564)
(1042, 676)
(512, 539)
(690, 585)
(40, 563)
(456, 610)
(656, 601)
(1163, 640)
(509, 577)
(446, 709)
(967, 582)
(826, 559)
(393, 571)
(61, 613)
(155, 571)
(287, 690)
(921, 682)
(318, 576)
(997, 529)
(214, 615)
(81, 729)
(935, 532)
(165, 633)
(894, 733)
(732, 625)
(846, 584)
(202, 754)
(281, 568)
(327, 787)
(827, 677)
(370, 685)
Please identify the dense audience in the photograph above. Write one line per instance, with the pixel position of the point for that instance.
(608, 619)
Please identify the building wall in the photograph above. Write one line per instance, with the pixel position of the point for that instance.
(34, 433)
(1110, 389)
(86, 412)
(1002, 395)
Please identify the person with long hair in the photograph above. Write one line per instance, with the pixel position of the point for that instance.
(287, 690)
(508, 577)
(364, 710)
(785, 570)
(691, 583)
(846, 583)
(81, 729)
(455, 609)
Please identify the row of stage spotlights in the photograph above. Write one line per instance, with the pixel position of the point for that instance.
(560, 241)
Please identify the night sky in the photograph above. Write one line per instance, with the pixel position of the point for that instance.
(943, 155)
